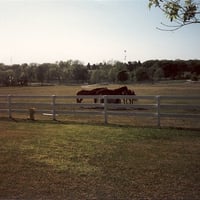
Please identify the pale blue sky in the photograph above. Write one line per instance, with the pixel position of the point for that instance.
(90, 31)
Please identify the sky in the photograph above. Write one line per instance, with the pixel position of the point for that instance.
(92, 31)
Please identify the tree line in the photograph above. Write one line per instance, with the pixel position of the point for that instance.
(74, 71)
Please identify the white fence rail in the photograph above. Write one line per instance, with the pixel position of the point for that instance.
(145, 106)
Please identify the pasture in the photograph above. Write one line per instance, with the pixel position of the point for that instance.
(80, 158)
(184, 89)
(140, 89)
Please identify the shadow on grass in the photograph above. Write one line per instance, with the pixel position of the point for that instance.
(115, 125)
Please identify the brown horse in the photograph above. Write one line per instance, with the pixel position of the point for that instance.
(87, 92)
(118, 91)
(129, 92)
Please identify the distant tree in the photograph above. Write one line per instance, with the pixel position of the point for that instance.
(149, 63)
(122, 76)
(3, 75)
(96, 76)
(79, 72)
(151, 71)
(31, 72)
(88, 66)
(141, 74)
(17, 71)
(158, 74)
(120, 66)
(112, 74)
(181, 12)
(194, 77)
(42, 72)
(64, 69)
(194, 66)
(168, 68)
(131, 66)
(9, 79)
(54, 72)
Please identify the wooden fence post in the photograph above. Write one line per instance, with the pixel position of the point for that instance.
(54, 107)
(105, 110)
(9, 107)
(32, 114)
(158, 110)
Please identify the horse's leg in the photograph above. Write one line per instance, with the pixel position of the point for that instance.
(79, 100)
(118, 101)
(124, 100)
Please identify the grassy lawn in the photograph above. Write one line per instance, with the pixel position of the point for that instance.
(81, 158)
(52, 160)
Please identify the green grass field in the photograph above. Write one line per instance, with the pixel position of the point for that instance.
(77, 159)
(41, 160)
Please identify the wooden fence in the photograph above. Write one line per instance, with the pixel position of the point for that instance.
(145, 106)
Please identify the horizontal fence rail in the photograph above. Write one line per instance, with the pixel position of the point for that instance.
(145, 106)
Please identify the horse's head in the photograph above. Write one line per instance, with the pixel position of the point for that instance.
(133, 92)
(81, 92)
(78, 100)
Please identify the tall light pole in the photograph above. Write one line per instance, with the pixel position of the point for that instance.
(11, 60)
(125, 56)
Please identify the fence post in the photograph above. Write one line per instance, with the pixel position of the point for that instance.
(105, 109)
(158, 110)
(32, 113)
(9, 107)
(54, 107)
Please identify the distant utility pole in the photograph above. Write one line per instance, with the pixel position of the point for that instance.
(125, 56)
(11, 60)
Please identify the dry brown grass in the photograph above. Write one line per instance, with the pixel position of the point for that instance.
(186, 89)
(140, 89)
